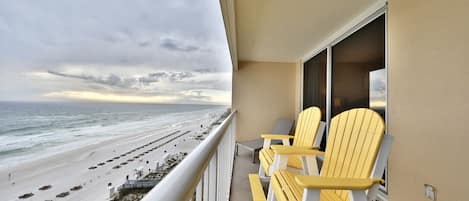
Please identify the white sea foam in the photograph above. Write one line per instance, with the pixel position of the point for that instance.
(51, 134)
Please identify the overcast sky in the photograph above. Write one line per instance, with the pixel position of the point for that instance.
(152, 51)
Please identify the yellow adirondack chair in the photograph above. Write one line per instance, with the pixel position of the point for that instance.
(354, 161)
(308, 134)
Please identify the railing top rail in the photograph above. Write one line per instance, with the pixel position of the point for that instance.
(181, 182)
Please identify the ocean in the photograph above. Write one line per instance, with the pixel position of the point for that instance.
(31, 130)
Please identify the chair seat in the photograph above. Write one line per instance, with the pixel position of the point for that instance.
(286, 188)
(266, 157)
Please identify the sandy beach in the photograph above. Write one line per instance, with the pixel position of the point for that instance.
(95, 166)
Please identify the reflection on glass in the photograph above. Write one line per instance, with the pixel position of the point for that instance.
(358, 72)
(378, 91)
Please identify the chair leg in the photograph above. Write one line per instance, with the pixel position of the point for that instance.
(270, 193)
(373, 192)
(253, 155)
(311, 194)
(237, 147)
(256, 156)
(310, 165)
(261, 171)
(358, 195)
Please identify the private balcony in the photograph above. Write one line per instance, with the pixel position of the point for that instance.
(216, 170)
(290, 55)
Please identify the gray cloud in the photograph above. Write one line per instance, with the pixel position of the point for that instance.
(144, 44)
(180, 76)
(214, 84)
(175, 45)
(203, 70)
(52, 33)
(128, 47)
(110, 80)
(151, 78)
(122, 82)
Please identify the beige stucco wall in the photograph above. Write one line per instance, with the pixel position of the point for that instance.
(262, 93)
(429, 98)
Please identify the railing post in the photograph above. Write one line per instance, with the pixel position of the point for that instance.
(199, 190)
(213, 177)
(205, 185)
(225, 153)
(221, 163)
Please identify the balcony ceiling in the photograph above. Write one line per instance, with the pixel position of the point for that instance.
(285, 31)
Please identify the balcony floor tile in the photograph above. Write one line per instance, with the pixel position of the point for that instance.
(240, 189)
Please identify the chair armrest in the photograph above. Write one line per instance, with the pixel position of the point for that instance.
(331, 183)
(286, 150)
(269, 137)
(256, 188)
(276, 136)
(300, 147)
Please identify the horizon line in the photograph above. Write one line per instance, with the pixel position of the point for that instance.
(110, 102)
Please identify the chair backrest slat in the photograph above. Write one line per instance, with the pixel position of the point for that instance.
(353, 144)
(307, 127)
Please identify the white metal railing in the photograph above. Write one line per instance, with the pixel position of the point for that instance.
(205, 174)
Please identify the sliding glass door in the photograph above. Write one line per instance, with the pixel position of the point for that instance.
(315, 87)
(349, 74)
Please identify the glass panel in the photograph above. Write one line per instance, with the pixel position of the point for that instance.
(358, 75)
(314, 83)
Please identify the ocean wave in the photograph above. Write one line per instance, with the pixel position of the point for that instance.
(51, 134)
(13, 151)
(19, 129)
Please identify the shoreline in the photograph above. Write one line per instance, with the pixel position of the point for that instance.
(71, 168)
(53, 151)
